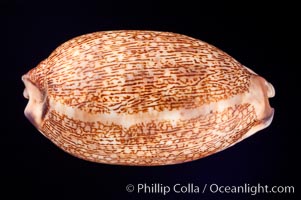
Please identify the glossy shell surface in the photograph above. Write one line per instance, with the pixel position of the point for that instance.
(144, 98)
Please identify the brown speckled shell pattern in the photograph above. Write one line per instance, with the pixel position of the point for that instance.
(142, 98)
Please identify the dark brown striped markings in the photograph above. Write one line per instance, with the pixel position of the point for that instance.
(132, 72)
(144, 98)
(154, 143)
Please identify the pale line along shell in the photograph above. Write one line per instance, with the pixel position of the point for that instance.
(144, 98)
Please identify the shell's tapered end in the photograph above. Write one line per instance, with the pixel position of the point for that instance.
(270, 90)
(37, 99)
(260, 92)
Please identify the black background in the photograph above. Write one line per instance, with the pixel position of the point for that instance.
(262, 37)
